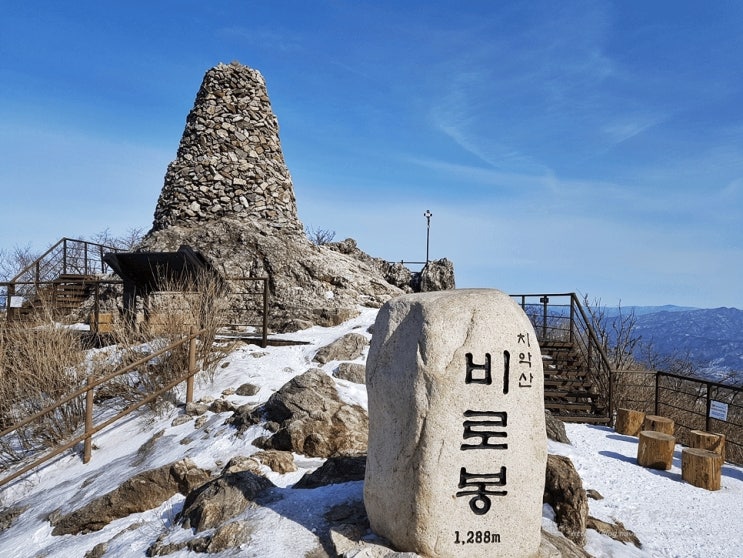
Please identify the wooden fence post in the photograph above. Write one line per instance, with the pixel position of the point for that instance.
(191, 364)
(88, 445)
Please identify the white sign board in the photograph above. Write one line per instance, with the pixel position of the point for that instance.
(718, 410)
(16, 301)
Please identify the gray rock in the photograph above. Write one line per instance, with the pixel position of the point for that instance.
(437, 275)
(221, 406)
(563, 490)
(196, 409)
(8, 516)
(222, 499)
(555, 546)
(335, 470)
(313, 419)
(349, 347)
(247, 389)
(555, 428)
(616, 531)
(351, 372)
(181, 419)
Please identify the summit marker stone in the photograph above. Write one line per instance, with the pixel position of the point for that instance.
(457, 442)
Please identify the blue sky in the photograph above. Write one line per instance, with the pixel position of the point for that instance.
(594, 146)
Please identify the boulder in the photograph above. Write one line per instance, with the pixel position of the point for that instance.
(437, 275)
(563, 490)
(555, 428)
(335, 470)
(349, 347)
(351, 372)
(457, 440)
(313, 419)
(222, 499)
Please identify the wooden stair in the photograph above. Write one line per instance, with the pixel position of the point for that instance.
(62, 296)
(569, 389)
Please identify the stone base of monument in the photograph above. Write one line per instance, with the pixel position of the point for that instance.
(457, 440)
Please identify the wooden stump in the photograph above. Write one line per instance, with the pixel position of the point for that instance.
(629, 422)
(708, 441)
(658, 424)
(702, 468)
(655, 450)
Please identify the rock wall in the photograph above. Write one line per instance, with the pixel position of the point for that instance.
(229, 162)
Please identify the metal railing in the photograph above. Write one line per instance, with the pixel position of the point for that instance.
(698, 404)
(67, 257)
(89, 429)
(560, 317)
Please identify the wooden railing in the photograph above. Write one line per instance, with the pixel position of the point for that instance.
(86, 437)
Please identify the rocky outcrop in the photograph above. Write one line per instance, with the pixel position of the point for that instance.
(437, 275)
(278, 461)
(351, 372)
(142, 492)
(313, 420)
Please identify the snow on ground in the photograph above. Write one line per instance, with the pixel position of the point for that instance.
(671, 518)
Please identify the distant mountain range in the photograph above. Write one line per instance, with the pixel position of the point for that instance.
(711, 338)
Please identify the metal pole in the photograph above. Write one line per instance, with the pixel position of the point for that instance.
(657, 393)
(428, 216)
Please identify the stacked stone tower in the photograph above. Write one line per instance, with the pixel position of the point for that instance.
(229, 162)
(229, 196)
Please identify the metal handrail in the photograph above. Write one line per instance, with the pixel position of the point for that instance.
(580, 332)
(708, 386)
(36, 264)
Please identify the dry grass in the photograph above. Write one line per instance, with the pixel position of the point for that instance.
(38, 365)
(43, 362)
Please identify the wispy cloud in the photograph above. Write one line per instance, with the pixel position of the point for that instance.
(627, 127)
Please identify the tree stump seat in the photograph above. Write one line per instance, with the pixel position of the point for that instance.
(702, 468)
(655, 450)
(708, 441)
(629, 422)
(657, 423)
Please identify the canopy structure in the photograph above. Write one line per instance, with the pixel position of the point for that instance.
(147, 272)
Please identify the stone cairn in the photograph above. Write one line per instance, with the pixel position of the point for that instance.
(229, 162)
(229, 195)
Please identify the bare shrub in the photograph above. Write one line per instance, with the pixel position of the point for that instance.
(38, 366)
(319, 236)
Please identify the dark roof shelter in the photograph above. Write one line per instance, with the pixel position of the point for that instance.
(147, 272)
